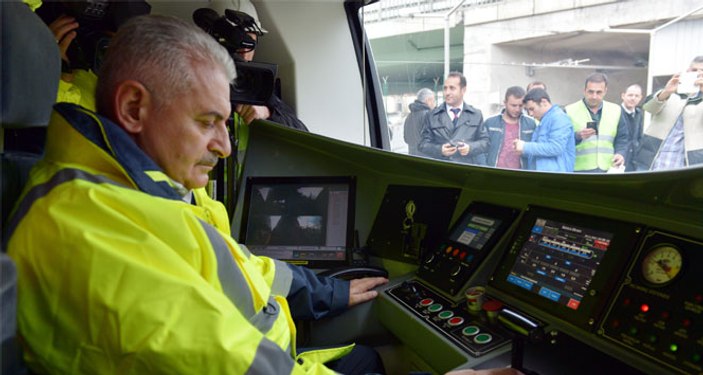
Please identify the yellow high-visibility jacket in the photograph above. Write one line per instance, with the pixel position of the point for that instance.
(595, 152)
(118, 275)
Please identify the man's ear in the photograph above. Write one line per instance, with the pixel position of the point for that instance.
(132, 102)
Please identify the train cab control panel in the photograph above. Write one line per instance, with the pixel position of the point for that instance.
(470, 330)
(658, 309)
(632, 292)
(471, 239)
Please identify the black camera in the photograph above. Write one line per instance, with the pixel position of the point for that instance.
(97, 21)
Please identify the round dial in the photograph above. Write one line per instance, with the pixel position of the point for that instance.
(662, 264)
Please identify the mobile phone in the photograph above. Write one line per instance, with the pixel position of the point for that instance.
(687, 83)
(592, 125)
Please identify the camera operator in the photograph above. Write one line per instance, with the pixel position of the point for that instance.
(275, 109)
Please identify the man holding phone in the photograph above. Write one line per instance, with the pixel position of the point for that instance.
(454, 130)
(600, 134)
(674, 138)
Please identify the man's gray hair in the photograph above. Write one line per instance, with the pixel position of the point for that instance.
(159, 52)
(697, 60)
(423, 94)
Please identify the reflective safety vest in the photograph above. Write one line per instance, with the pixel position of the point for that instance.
(118, 275)
(595, 152)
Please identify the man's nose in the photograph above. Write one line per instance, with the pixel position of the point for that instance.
(220, 143)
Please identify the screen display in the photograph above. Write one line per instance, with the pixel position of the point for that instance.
(559, 261)
(299, 222)
(475, 231)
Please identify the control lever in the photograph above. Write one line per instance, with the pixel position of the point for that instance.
(524, 329)
(410, 287)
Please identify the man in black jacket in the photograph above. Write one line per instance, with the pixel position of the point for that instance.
(633, 117)
(454, 130)
(412, 129)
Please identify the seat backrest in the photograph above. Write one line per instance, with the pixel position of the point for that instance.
(31, 68)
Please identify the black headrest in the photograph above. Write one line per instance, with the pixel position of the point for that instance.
(31, 67)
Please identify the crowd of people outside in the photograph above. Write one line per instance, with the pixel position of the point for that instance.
(590, 135)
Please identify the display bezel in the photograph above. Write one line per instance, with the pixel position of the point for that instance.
(313, 181)
(611, 269)
(506, 215)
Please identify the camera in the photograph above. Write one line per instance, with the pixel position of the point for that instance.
(97, 20)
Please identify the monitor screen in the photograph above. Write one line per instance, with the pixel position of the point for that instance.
(301, 220)
(475, 230)
(558, 261)
(474, 235)
(565, 265)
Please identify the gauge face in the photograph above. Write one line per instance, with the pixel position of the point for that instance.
(662, 264)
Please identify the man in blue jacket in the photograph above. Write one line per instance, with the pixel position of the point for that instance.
(552, 147)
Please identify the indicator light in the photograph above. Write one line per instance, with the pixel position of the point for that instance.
(644, 308)
(673, 348)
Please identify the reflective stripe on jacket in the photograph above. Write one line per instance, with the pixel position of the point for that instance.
(596, 151)
(118, 275)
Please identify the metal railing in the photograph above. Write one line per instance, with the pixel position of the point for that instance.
(386, 10)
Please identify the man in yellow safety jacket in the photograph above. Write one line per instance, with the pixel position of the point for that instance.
(600, 133)
(125, 264)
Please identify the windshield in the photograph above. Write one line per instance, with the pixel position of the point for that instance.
(458, 80)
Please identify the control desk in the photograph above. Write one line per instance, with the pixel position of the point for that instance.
(628, 295)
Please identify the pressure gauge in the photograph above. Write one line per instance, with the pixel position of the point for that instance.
(662, 264)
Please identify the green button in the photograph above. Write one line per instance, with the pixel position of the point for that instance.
(483, 338)
(435, 307)
(696, 357)
(470, 331)
(633, 330)
(446, 314)
(674, 348)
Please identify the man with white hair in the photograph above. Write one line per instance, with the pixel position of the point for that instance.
(412, 128)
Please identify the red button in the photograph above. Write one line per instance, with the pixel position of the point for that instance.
(644, 308)
(426, 302)
(455, 252)
(463, 255)
(455, 321)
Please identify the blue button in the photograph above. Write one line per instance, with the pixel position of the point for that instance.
(550, 294)
(520, 282)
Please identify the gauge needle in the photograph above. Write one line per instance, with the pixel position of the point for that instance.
(664, 265)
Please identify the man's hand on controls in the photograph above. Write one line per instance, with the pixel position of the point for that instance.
(361, 290)
(252, 112)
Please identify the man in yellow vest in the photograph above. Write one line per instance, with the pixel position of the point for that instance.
(125, 264)
(600, 133)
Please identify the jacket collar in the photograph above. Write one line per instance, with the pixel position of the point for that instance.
(443, 108)
(119, 146)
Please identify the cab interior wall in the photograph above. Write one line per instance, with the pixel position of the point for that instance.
(327, 96)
